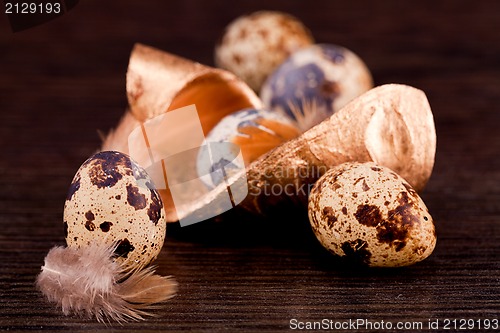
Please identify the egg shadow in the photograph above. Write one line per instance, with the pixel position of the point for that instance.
(236, 229)
(287, 230)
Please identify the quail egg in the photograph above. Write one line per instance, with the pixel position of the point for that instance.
(369, 214)
(112, 200)
(254, 45)
(251, 131)
(315, 82)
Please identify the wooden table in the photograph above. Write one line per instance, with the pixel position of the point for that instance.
(62, 82)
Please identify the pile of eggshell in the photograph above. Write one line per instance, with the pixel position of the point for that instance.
(360, 211)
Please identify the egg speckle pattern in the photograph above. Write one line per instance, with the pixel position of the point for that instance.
(369, 214)
(322, 77)
(112, 199)
(254, 45)
(253, 132)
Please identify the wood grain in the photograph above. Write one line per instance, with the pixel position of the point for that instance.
(63, 81)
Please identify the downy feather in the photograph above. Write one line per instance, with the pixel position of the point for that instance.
(88, 282)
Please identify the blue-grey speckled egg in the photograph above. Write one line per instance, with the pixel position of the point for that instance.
(315, 82)
(251, 132)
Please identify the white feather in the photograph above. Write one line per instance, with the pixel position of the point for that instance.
(89, 282)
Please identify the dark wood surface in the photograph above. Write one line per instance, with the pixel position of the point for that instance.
(63, 81)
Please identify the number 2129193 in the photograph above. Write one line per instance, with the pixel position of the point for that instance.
(32, 8)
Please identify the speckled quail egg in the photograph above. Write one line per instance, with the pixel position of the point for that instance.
(112, 199)
(369, 214)
(254, 45)
(315, 82)
(251, 131)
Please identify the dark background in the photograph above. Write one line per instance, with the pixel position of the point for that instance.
(63, 81)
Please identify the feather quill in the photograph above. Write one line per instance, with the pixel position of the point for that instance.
(88, 282)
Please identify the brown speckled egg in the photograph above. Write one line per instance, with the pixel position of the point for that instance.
(369, 214)
(112, 199)
(254, 45)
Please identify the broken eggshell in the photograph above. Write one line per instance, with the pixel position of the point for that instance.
(159, 82)
(254, 45)
(369, 214)
(391, 125)
(252, 131)
(113, 200)
(321, 78)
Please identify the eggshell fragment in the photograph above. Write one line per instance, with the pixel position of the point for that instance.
(112, 199)
(251, 131)
(368, 213)
(254, 45)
